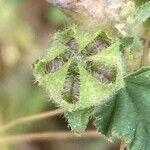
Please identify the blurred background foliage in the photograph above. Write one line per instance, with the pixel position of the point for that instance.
(25, 30)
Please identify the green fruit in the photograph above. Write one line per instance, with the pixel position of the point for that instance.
(81, 70)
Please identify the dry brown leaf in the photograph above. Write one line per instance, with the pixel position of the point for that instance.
(110, 9)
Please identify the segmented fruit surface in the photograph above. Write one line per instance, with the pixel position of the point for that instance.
(81, 69)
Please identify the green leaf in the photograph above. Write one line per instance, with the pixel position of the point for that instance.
(134, 20)
(127, 114)
(140, 2)
(78, 120)
(140, 15)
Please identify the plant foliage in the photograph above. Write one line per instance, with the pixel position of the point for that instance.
(84, 73)
(137, 18)
(127, 114)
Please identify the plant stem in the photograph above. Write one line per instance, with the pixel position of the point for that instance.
(47, 136)
(145, 57)
(29, 119)
(122, 145)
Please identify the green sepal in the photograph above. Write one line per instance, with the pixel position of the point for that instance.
(79, 119)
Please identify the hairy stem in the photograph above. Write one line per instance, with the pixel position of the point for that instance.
(32, 118)
(122, 146)
(47, 136)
